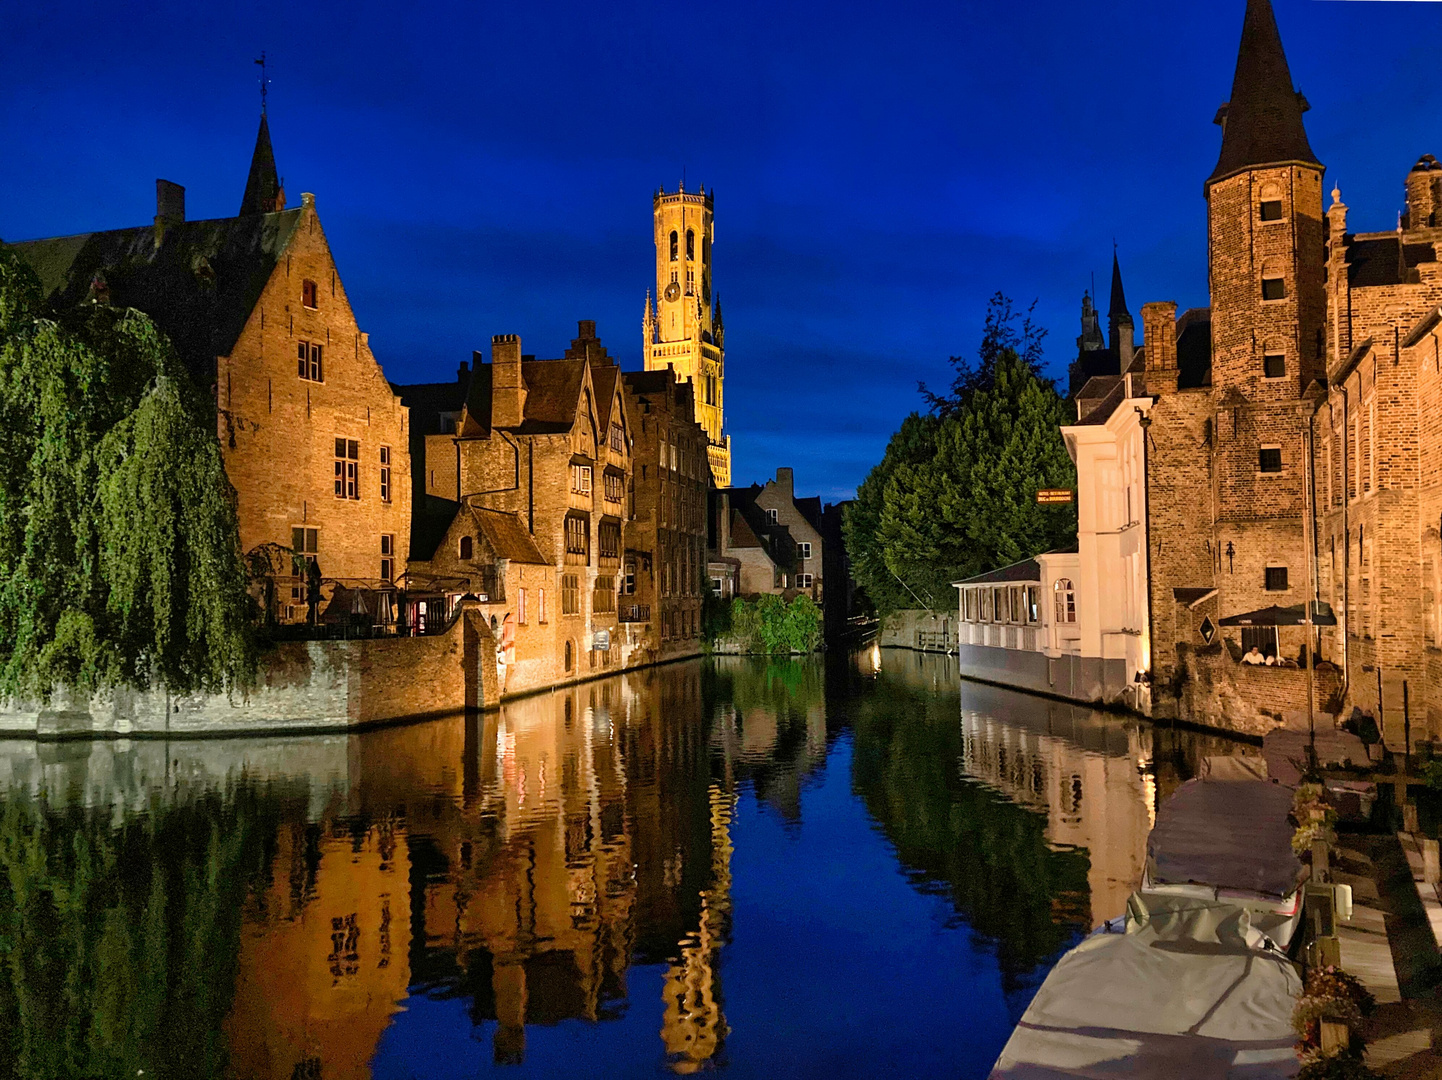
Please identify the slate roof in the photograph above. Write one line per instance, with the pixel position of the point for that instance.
(605, 378)
(1374, 261)
(1026, 570)
(200, 286)
(1194, 349)
(1113, 389)
(427, 401)
(810, 508)
(431, 518)
(507, 536)
(262, 185)
(1262, 123)
(741, 533)
(552, 390)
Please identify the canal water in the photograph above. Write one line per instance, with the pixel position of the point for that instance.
(857, 866)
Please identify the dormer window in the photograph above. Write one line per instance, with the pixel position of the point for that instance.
(1274, 288)
(307, 293)
(1271, 210)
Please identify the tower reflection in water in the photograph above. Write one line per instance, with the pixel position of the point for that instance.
(340, 907)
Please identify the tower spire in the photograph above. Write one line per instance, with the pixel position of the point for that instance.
(263, 193)
(1119, 296)
(1262, 123)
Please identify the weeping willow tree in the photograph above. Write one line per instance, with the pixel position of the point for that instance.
(120, 557)
(119, 946)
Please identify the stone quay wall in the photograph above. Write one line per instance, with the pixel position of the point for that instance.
(303, 687)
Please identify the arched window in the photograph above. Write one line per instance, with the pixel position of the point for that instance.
(1065, 601)
(690, 245)
(674, 241)
(467, 547)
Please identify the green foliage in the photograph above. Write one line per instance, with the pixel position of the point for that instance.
(119, 548)
(955, 494)
(715, 615)
(769, 624)
(118, 947)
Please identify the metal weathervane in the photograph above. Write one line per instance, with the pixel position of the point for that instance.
(264, 82)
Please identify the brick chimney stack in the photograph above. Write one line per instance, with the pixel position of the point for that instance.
(1159, 330)
(785, 480)
(508, 386)
(1422, 187)
(169, 207)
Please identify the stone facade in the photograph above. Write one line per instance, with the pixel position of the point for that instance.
(767, 540)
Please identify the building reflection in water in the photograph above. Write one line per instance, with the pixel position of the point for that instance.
(521, 865)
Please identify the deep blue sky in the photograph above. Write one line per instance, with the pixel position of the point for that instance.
(880, 169)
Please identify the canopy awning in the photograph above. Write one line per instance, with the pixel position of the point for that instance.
(1284, 616)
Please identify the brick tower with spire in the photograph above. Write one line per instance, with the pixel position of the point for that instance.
(1227, 468)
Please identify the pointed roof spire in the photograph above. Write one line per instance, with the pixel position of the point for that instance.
(1262, 124)
(262, 187)
(1119, 296)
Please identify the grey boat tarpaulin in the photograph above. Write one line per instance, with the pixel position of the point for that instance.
(1192, 991)
(1231, 835)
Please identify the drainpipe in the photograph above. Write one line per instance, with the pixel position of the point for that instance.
(1145, 422)
(1344, 622)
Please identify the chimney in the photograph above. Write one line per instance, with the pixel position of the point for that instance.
(463, 372)
(1159, 336)
(586, 329)
(785, 480)
(508, 386)
(169, 207)
(1421, 188)
(724, 525)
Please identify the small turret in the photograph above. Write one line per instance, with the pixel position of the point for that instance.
(263, 191)
(1121, 329)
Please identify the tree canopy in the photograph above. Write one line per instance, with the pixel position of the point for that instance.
(955, 494)
(120, 554)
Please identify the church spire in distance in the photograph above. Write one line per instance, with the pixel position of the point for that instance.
(1119, 296)
(1262, 123)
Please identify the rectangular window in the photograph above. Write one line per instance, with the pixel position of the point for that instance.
(521, 606)
(771, 517)
(308, 361)
(578, 536)
(1273, 288)
(1274, 365)
(307, 293)
(604, 598)
(1033, 604)
(628, 580)
(1269, 459)
(1276, 579)
(615, 487)
(803, 581)
(385, 474)
(581, 479)
(608, 539)
(1272, 210)
(986, 605)
(803, 549)
(347, 469)
(388, 556)
(618, 438)
(540, 605)
(570, 594)
(304, 541)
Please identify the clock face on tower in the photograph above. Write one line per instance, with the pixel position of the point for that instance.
(673, 290)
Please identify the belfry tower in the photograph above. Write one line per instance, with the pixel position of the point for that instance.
(681, 329)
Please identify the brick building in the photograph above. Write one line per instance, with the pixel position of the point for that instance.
(766, 540)
(314, 440)
(565, 494)
(666, 537)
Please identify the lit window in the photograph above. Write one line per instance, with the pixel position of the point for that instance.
(1273, 288)
(1269, 459)
(347, 469)
(581, 479)
(308, 361)
(1065, 601)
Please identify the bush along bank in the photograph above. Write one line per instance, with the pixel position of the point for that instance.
(768, 625)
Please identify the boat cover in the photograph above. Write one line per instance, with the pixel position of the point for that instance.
(1186, 993)
(1227, 834)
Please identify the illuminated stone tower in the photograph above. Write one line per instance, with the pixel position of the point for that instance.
(681, 328)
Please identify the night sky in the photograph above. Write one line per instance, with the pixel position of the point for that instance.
(879, 169)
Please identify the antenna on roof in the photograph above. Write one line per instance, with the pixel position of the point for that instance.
(264, 82)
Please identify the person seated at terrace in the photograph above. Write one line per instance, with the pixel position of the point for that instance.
(1254, 656)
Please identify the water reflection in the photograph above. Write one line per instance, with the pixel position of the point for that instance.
(554, 887)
